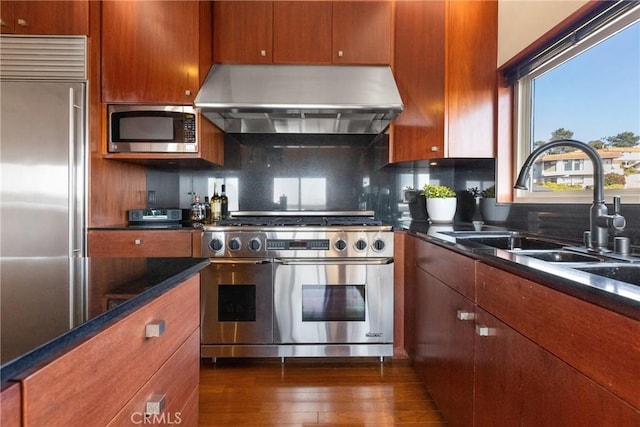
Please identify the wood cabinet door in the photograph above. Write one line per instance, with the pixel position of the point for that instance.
(7, 17)
(445, 344)
(243, 32)
(444, 64)
(471, 86)
(519, 383)
(66, 17)
(150, 51)
(418, 133)
(302, 32)
(362, 32)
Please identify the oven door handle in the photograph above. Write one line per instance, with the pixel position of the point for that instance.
(240, 261)
(338, 261)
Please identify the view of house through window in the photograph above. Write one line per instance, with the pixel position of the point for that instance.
(589, 93)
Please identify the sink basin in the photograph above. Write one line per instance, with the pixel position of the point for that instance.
(514, 241)
(558, 256)
(629, 273)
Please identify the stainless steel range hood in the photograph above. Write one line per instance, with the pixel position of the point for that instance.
(309, 99)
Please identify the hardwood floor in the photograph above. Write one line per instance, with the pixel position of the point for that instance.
(314, 392)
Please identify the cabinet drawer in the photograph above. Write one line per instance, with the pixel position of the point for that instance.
(126, 243)
(457, 271)
(173, 384)
(98, 377)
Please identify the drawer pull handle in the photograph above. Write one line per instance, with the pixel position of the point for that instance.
(466, 315)
(155, 404)
(138, 241)
(154, 329)
(485, 331)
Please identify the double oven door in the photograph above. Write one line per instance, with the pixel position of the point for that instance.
(236, 298)
(335, 301)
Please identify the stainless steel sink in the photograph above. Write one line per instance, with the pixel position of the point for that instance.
(511, 241)
(558, 256)
(629, 273)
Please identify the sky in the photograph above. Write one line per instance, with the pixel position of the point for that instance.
(595, 95)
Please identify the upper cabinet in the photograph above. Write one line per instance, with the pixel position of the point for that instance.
(154, 51)
(67, 17)
(303, 32)
(445, 67)
(362, 32)
(243, 31)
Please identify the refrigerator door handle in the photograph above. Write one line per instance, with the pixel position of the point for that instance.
(72, 176)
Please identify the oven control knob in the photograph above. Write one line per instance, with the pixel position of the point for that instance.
(378, 245)
(255, 245)
(215, 245)
(361, 245)
(234, 244)
(341, 245)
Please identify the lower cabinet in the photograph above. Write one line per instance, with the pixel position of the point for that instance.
(10, 415)
(444, 354)
(519, 353)
(518, 382)
(133, 367)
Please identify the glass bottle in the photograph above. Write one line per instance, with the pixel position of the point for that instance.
(197, 211)
(207, 210)
(224, 203)
(216, 206)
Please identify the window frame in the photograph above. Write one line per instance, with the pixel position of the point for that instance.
(518, 85)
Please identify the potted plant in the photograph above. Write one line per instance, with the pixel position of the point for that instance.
(417, 205)
(489, 208)
(441, 203)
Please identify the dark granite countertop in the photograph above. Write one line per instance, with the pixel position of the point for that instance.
(50, 305)
(621, 297)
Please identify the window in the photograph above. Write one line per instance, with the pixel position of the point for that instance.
(300, 193)
(586, 87)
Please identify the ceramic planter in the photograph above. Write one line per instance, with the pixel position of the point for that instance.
(441, 210)
(492, 211)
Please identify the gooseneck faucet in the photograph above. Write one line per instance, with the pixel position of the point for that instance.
(600, 220)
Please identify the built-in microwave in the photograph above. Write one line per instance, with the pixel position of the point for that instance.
(152, 129)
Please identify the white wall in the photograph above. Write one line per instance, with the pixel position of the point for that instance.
(521, 22)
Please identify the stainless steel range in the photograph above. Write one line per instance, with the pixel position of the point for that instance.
(289, 285)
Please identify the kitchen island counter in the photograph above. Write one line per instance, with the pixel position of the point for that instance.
(44, 314)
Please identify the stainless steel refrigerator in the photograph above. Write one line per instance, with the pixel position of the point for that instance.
(43, 154)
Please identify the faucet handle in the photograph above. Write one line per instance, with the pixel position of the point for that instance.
(616, 205)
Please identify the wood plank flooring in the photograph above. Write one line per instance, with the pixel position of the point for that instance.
(314, 392)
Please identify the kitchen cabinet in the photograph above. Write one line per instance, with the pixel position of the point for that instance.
(600, 344)
(362, 32)
(10, 402)
(489, 357)
(141, 243)
(519, 382)
(155, 52)
(302, 32)
(67, 17)
(135, 357)
(445, 68)
(311, 32)
(243, 32)
(445, 329)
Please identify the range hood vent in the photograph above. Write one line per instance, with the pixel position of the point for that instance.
(307, 99)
